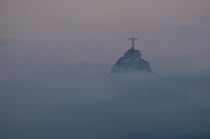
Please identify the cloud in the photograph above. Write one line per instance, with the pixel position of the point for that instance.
(44, 95)
(78, 102)
(4, 42)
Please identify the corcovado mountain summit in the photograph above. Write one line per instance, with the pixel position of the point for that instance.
(132, 61)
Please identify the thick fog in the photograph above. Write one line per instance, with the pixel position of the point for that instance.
(55, 59)
(83, 101)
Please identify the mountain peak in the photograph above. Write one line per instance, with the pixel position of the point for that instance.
(132, 61)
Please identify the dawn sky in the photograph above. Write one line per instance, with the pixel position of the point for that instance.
(56, 57)
(170, 32)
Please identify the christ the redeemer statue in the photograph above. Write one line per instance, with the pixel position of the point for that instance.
(131, 61)
(133, 39)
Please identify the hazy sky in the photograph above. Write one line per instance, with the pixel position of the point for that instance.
(55, 56)
(172, 33)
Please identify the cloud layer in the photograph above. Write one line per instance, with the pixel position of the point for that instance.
(71, 102)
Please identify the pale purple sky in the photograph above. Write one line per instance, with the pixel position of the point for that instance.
(172, 33)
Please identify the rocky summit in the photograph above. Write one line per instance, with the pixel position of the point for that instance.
(132, 61)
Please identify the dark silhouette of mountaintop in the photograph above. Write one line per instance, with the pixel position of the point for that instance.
(132, 61)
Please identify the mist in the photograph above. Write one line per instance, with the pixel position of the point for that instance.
(85, 101)
(56, 56)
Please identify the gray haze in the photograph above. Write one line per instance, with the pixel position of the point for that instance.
(55, 59)
(170, 32)
(71, 103)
